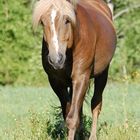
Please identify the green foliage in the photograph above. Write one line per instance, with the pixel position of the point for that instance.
(20, 61)
(126, 131)
(43, 127)
(128, 46)
(39, 125)
(20, 49)
(57, 128)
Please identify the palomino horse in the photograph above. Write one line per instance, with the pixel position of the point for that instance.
(78, 44)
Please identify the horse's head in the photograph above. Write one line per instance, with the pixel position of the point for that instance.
(58, 19)
(58, 34)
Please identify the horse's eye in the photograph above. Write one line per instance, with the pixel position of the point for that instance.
(67, 21)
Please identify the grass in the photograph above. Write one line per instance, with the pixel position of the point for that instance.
(27, 113)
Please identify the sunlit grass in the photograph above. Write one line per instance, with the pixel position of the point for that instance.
(28, 113)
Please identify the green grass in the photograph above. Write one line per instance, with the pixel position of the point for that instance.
(26, 113)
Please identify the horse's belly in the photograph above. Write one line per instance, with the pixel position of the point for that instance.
(103, 57)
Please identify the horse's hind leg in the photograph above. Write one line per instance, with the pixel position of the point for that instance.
(96, 102)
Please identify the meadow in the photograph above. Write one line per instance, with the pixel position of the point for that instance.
(29, 110)
(31, 113)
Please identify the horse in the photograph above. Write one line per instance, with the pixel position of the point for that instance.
(79, 41)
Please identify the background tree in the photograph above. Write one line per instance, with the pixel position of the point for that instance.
(20, 49)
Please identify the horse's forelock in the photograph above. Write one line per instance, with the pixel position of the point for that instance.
(43, 6)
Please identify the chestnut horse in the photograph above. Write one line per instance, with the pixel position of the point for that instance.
(79, 41)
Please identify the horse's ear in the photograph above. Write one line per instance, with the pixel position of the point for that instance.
(73, 2)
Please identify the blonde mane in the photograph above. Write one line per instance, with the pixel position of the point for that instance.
(63, 6)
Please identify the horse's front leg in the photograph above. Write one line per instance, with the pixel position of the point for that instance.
(80, 84)
(61, 91)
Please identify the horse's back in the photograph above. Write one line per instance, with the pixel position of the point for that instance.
(101, 17)
(100, 5)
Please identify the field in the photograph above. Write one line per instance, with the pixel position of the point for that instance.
(27, 113)
(30, 111)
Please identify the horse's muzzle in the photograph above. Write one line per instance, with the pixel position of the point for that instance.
(57, 62)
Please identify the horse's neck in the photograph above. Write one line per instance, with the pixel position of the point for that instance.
(84, 32)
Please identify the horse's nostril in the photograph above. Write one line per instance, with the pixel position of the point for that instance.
(57, 61)
(60, 58)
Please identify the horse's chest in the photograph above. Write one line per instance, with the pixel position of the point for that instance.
(61, 76)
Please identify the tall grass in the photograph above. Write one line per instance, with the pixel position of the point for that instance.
(42, 127)
(27, 114)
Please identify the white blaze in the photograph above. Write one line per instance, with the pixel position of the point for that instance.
(54, 38)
